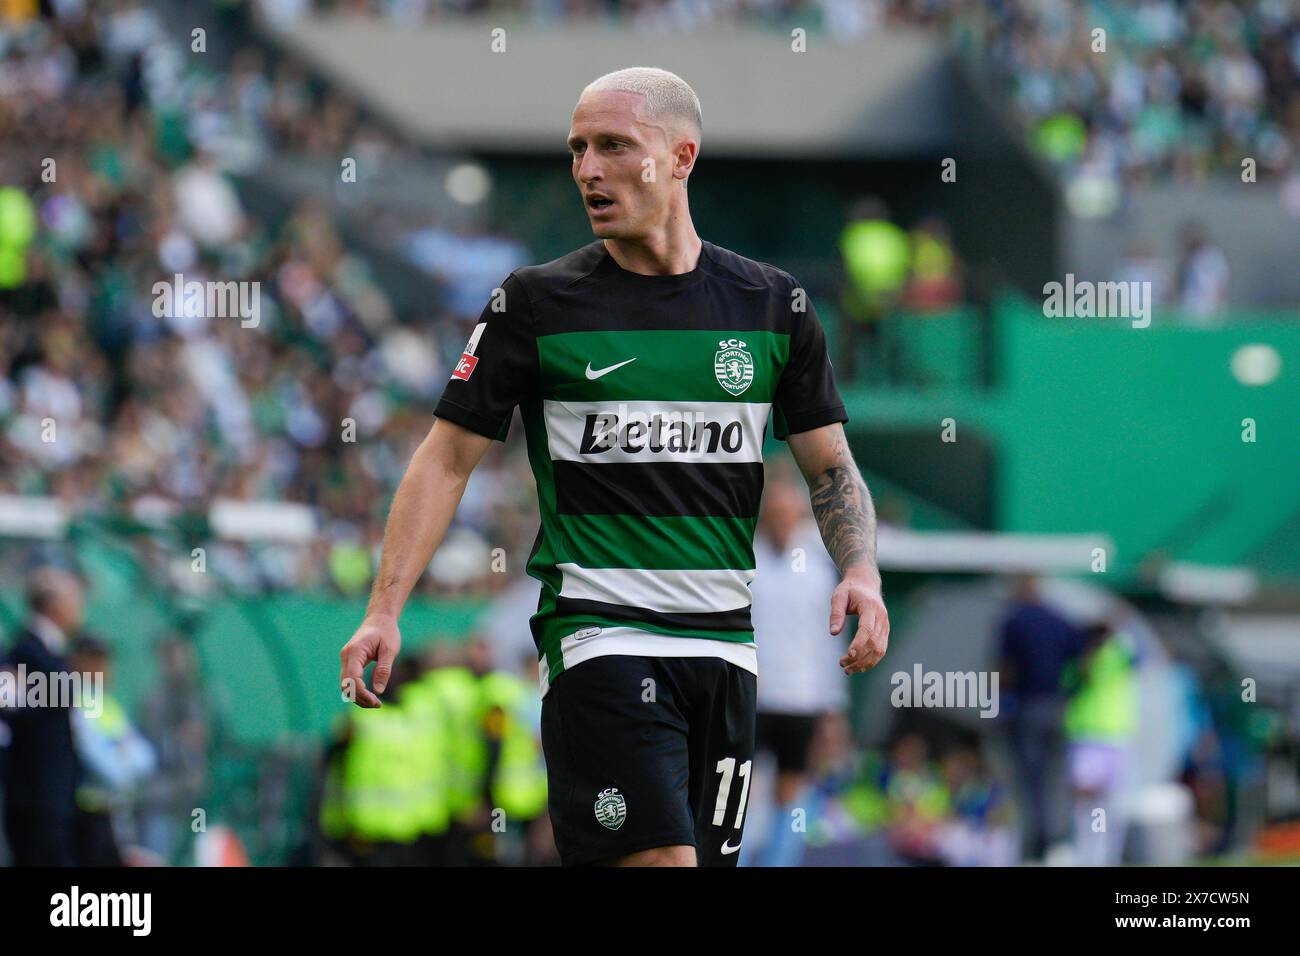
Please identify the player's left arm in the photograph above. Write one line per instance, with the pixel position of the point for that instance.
(846, 517)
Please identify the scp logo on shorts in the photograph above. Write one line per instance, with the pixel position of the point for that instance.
(465, 367)
(611, 809)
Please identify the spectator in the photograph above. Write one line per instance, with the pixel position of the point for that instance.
(116, 758)
(917, 800)
(934, 283)
(876, 258)
(1202, 276)
(978, 832)
(1037, 645)
(799, 679)
(1142, 263)
(1100, 724)
(175, 721)
(42, 769)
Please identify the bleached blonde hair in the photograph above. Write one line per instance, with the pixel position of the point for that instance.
(669, 99)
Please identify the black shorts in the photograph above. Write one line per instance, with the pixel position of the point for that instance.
(645, 752)
(788, 737)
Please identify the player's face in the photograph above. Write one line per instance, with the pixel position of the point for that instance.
(623, 166)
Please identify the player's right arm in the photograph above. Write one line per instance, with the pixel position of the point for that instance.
(422, 510)
(496, 372)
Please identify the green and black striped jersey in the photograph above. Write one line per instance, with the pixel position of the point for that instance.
(645, 400)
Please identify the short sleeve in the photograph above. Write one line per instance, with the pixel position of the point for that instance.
(498, 369)
(806, 395)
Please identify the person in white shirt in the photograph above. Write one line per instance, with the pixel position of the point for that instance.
(1203, 275)
(799, 679)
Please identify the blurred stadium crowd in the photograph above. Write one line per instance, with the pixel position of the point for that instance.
(156, 412)
(1184, 88)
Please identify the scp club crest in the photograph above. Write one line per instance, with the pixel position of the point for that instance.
(611, 808)
(733, 366)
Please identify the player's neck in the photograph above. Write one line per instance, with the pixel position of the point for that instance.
(672, 252)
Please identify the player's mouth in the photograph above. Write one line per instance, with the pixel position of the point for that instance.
(597, 203)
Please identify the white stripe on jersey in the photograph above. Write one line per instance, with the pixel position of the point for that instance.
(687, 591)
(637, 643)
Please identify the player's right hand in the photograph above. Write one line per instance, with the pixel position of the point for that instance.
(377, 639)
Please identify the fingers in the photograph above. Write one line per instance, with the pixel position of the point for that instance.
(378, 640)
(839, 607)
(870, 642)
(352, 681)
(866, 651)
(384, 669)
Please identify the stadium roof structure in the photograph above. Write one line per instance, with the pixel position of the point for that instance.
(443, 83)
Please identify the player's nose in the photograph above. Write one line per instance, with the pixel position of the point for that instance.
(588, 169)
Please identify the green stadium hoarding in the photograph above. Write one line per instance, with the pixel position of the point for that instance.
(1148, 435)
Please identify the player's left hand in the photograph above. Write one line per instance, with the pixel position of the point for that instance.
(857, 595)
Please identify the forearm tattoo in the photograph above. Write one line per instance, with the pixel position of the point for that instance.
(845, 514)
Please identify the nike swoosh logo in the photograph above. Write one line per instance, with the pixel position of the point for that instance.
(595, 373)
(728, 849)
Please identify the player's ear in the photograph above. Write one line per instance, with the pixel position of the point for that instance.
(687, 151)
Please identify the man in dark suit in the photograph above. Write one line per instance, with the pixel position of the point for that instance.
(1038, 643)
(42, 769)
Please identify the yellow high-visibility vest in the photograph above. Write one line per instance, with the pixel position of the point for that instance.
(456, 692)
(518, 784)
(429, 759)
(381, 781)
(1105, 707)
(876, 256)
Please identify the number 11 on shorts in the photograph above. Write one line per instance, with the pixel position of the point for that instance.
(727, 767)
